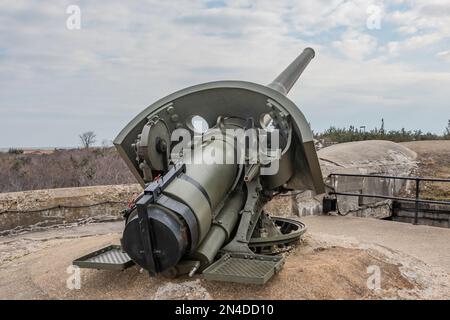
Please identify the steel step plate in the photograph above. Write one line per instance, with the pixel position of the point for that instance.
(108, 258)
(244, 268)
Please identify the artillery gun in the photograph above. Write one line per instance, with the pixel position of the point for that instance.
(209, 157)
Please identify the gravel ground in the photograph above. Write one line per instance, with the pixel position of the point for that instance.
(326, 264)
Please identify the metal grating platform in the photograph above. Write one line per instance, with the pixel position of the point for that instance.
(244, 268)
(109, 258)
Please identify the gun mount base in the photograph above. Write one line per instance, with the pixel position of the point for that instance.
(289, 232)
(244, 268)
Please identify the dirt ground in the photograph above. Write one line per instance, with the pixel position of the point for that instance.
(34, 266)
(433, 161)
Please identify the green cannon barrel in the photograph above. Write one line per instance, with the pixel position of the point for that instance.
(286, 79)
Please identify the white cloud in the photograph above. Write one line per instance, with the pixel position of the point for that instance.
(128, 55)
(445, 55)
(420, 24)
(423, 16)
(356, 45)
(413, 43)
(407, 30)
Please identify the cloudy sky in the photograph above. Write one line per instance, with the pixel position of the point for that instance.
(374, 59)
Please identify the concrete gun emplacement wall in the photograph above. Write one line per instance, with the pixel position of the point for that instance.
(207, 216)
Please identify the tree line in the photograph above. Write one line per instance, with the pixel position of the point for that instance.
(352, 133)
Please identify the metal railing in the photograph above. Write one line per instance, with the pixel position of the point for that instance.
(416, 200)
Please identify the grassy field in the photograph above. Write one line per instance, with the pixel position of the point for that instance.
(62, 168)
(433, 161)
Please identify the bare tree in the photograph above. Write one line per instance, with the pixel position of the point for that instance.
(447, 131)
(88, 139)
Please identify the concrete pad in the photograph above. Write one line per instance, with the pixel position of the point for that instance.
(428, 244)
